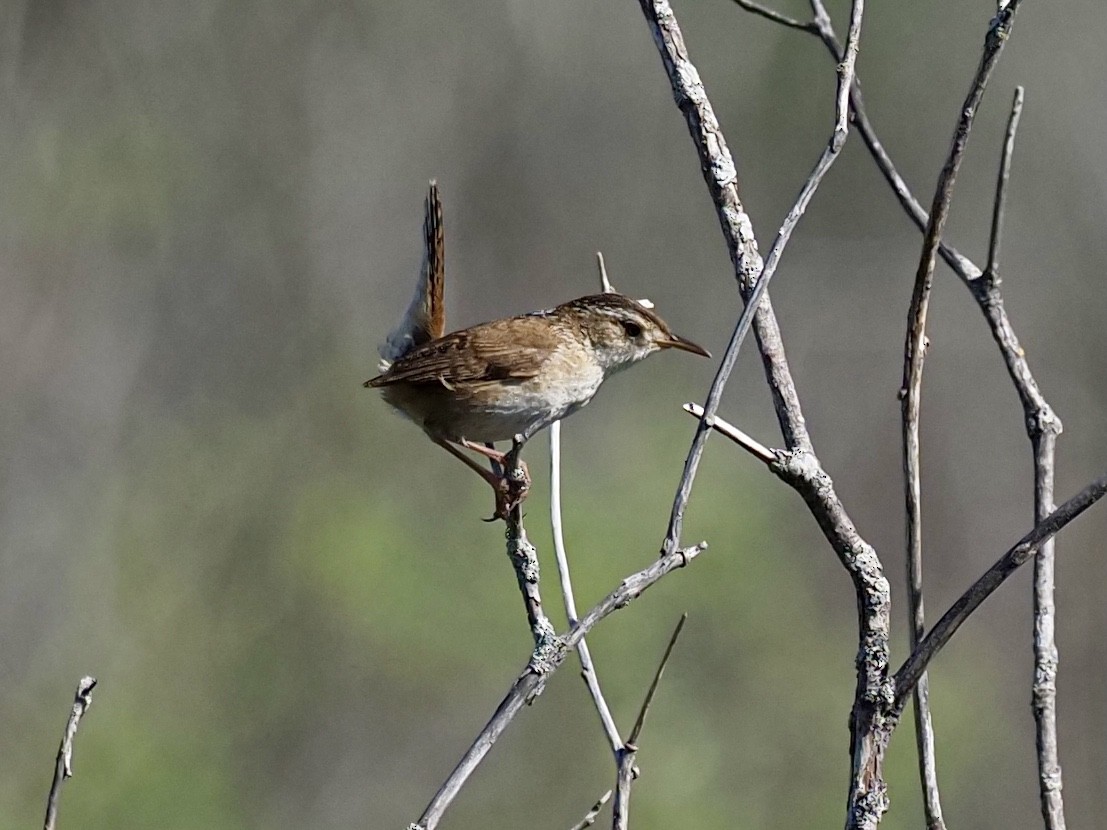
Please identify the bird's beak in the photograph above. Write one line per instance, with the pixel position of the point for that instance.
(677, 342)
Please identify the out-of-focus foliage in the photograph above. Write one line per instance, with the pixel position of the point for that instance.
(209, 214)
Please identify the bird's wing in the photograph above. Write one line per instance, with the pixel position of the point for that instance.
(480, 353)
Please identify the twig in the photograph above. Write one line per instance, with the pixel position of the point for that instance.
(909, 673)
(530, 683)
(1000, 203)
(636, 731)
(590, 817)
(605, 283)
(913, 360)
(627, 771)
(1043, 432)
(727, 429)
(777, 17)
(587, 669)
(63, 766)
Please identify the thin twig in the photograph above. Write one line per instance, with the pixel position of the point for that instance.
(530, 683)
(728, 430)
(1000, 202)
(1043, 429)
(587, 669)
(627, 771)
(63, 766)
(640, 721)
(605, 283)
(590, 817)
(776, 17)
(1043, 434)
(914, 357)
(910, 672)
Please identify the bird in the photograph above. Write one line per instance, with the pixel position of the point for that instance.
(508, 379)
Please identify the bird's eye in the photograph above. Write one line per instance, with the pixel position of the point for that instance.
(631, 328)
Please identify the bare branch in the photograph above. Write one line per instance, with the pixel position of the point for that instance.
(1000, 203)
(63, 766)
(590, 817)
(641, 720)
(1044, 689)
(543, 663)
(910, 672)
(750, 445)
(626, 771)
(777, 17)
(587, 669)
(914, 357)
(625, 774)
(1042, 429)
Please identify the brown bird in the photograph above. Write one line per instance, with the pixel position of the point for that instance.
(507, 379)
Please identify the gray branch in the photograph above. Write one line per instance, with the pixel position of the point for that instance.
(63, 766)
(1042, 429)
(728, 430)
(999, 206)
(909, 673)
(543, 663)
(626, 771)
(590, 817)
(914, 357)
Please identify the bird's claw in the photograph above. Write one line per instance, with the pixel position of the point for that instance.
(511, 490)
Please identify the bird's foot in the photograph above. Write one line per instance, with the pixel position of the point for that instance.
(511, 489)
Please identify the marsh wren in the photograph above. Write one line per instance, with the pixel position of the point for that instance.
(507, 379)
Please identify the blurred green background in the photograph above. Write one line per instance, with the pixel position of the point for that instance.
(209, 216)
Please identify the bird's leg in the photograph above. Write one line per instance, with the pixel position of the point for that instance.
(487, 450)
(509, 492)
(481, 471)
(497, 467)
